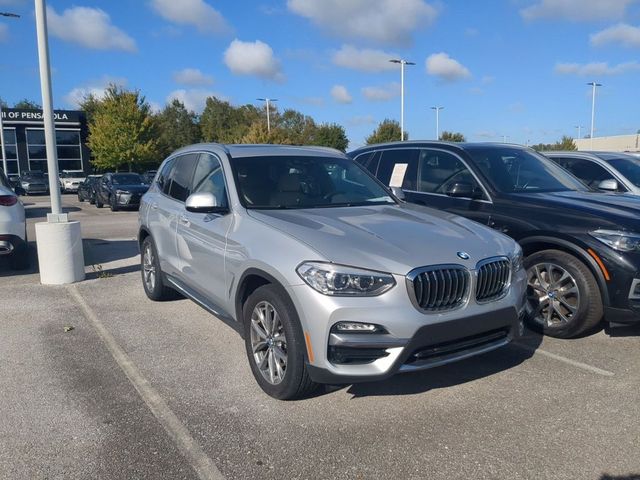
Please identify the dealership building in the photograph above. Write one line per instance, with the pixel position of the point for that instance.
(25, 140)
(616, 143)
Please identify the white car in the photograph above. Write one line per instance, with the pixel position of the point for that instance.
(13, 227)
(70, 180)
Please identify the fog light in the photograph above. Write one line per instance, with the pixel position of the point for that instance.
(357, 327)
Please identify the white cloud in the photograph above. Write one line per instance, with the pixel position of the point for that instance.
(596, 68)
(253, 58)
(4, 32)
(192, 77)
(383, 93)
(340, 94)
(90, 28)
(622, 33)
(193, 99)
(196, 13)
(446, 68)
(384, 21)
(577, 10)
(95, 87)
(364, 60)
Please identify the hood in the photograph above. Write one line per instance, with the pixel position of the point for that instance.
(137, 188)
(609, 210)
(393, 239)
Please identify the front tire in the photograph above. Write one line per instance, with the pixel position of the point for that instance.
(80, 199)
(112, 204)
(563, 297)
(275, 344)
(152, 281)
(99, 203)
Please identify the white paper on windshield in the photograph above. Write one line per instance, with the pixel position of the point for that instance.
(397, 176)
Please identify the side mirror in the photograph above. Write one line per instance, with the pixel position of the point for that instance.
(204, 202)
(609, 185)
(20, 191)
(397, 191)
(462, 190)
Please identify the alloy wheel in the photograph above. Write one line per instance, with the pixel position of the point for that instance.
(149, 268)
(268, 342)
(553, 297)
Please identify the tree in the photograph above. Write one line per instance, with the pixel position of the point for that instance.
(387, 131)
(298, 128)
(177, 127)
(121, 132)
(27, 105)
(565, 143)
(452, 137)
(89, 105)
(223, 123)
(331, 135)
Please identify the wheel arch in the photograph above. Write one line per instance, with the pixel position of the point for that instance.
(142, 234)
(250, 281)
(538, 243)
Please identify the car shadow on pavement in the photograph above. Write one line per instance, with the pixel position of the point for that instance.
(107, 258)
(633, 476)
(456, 373)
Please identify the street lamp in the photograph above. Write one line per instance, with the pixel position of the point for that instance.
(402, 63)
(579, 127)
(437, 109)
(594, 85)
(4, 151)
(268, 102)
(59, 241)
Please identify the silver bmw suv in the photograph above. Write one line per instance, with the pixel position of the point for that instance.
(327, 275)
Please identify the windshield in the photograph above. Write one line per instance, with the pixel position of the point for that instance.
(305, 182)
(513, 170)
(628, 167)
(126, 179)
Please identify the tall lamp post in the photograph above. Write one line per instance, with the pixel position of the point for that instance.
(402, 63)
(579, 127)
(268, 103)
(59, 241)
(437, 109)
(4, 151)
(594, 85)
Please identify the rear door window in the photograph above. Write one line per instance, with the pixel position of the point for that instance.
(589, 172)
(164, 178)
(399, 165)
(181, 175)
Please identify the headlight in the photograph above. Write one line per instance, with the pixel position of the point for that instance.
(24, 184)
(517, 259)
(339, 280)
(618, 240)
(122, 192)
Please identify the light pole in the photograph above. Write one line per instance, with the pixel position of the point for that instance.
(59, 241)
(505, 138)
(402, 63)
(437, 109)
(579, 127)
(594, 85)
(4, 151)
(268, 102)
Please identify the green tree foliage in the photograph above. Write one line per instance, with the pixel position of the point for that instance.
(177, 127)
(122, 133)
(89, 105)
(452, 137)
(565, 143)
(223, 123)
(331, 135)
(387, 131)
(27, 105)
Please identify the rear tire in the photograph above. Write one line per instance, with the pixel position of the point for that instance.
(80, 199)
(20, 259)
(152, 275)
(277, 354)
(563, 297)
(99, 204)
(112, 204)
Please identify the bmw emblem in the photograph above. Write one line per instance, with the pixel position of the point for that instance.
(463, 255)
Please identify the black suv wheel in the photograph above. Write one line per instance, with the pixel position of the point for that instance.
(563, 298)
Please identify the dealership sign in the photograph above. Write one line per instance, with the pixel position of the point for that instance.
(23, 115)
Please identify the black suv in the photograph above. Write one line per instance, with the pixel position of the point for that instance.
(582, 248)
(120, 190)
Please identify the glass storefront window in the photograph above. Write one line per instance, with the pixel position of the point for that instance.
(69, 149)
(11, 150)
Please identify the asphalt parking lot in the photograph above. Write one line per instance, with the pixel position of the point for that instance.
(163, 390)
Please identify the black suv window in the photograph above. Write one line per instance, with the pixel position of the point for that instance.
(399, 163)
(181, 175)
(209, 178)
(586, 170)
(438, 171)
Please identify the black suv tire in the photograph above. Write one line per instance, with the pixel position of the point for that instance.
(588, 309)
(296, 382)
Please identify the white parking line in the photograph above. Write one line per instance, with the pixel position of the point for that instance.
(190, 449)
(568, 361)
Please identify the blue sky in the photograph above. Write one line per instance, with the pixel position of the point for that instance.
(499, 67)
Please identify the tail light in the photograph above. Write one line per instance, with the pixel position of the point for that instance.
(8, 200)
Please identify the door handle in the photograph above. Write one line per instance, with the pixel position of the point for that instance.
(154, 206)
(184, 220)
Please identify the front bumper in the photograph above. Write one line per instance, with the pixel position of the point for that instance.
(36, 189)
(128, 199)
(413, 340)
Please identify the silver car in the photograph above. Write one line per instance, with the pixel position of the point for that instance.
(327, 275)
